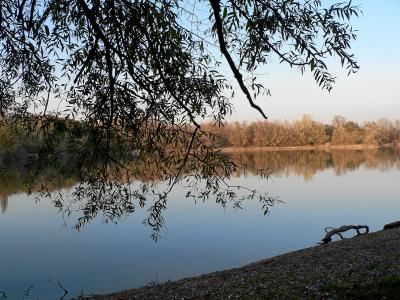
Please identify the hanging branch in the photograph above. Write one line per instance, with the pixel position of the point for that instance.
(222, 44)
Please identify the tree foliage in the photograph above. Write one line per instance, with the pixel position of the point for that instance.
(111, 87)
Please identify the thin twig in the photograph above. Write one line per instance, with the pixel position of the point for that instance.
(63, 288)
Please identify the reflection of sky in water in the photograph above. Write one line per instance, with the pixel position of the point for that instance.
(36, 247)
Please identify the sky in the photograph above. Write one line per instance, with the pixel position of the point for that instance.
(372, 93)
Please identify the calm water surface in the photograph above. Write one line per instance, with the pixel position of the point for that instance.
(38, 247)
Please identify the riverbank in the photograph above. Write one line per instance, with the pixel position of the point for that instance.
(363, 267)
(325, 147)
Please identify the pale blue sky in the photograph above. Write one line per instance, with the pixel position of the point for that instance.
(372, 93)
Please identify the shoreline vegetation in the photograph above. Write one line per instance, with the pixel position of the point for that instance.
(363, 267)
(304, 133)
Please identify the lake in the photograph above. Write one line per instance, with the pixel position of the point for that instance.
(40, 248)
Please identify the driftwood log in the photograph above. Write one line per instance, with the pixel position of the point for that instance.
(330, 231)
(391, 225)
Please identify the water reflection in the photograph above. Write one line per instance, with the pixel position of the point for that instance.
(3, 203)
(309, 162)
(304, 163)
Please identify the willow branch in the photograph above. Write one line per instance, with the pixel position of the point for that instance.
(222, 44)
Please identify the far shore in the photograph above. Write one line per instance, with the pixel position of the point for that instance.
(326, 147)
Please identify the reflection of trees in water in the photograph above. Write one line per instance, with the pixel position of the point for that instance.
(307, 163)
(15, 179)
(100, 200)
(3, 203)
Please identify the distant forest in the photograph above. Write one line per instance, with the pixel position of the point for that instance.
(305, 132)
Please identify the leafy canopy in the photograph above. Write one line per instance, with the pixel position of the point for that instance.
(116, 90)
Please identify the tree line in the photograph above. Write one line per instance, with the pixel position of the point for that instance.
(302, 132)
(305, 132)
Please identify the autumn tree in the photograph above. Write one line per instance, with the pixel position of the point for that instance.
(304, 132)
(309, 132)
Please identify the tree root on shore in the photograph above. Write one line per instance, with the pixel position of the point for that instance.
(328, 237)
